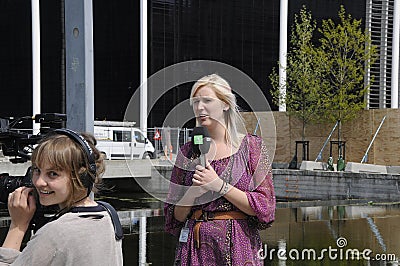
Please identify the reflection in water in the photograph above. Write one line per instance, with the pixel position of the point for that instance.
(376, 232)
(362, 227)
(281, 246)
(142, 240)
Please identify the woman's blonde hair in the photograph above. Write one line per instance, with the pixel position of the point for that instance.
(65, 154)
(224, 93)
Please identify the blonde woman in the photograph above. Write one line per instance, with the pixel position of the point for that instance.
(66, 167)
(217, 210)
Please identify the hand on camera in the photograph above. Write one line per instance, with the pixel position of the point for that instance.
(21, 206)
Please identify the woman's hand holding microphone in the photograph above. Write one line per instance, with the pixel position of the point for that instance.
(207, 178)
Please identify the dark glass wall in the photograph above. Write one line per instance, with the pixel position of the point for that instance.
(52, 71)
(16, 57)
(116, 56)
(241, 33)
(328, 9)
(116, 53)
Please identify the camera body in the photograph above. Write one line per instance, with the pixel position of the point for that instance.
(10, 183)
(19, 144)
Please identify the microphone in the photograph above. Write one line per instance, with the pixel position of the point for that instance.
(201, 143)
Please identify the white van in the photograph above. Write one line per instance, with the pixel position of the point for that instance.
(121, 140)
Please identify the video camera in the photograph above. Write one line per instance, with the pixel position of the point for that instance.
(19, 144)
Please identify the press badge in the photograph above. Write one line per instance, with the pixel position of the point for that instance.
(183, 237)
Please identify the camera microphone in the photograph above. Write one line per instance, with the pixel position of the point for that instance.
(201, 143)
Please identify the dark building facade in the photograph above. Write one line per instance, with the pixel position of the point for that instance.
(243, 34)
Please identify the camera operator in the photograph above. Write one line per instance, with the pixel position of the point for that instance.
(66, 167)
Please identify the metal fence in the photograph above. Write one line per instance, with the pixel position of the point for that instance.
(168, 140)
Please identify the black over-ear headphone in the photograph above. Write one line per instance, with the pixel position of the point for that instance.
(86, 179)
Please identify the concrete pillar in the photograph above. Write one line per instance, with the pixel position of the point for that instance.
(36, 80)
(143, 66)
(79, 65)
(395, 56)
(283, 50)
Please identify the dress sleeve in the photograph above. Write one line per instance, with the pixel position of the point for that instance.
(175, 193)
(261, 194)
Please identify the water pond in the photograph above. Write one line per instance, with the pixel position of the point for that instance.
(326, 233)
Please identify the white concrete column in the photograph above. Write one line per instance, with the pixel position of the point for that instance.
(283, 50)
(395, 56)
(35, 62)
(143, 66)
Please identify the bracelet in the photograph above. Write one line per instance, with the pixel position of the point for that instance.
(225, 190)
(223, 184)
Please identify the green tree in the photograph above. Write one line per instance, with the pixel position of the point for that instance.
(301, 97)
(344, 54)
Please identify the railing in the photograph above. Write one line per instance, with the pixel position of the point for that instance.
(167, 140)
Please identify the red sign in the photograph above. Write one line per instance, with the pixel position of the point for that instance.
(157, 136)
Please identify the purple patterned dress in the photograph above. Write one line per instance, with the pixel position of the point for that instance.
(224, 242)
